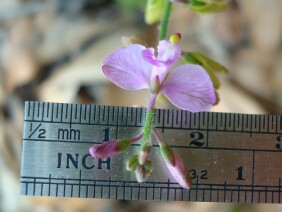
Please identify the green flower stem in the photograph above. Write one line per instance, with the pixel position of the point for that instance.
(164, 21)
(148, 127)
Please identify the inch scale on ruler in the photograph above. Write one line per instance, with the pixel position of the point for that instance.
(231, 157)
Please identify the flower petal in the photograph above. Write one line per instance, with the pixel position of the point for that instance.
(180, 172)
(112, 148)
(127, 68)
(168, 52)
(149, 55)
(189, 87)
(174, 163)
(105, 150)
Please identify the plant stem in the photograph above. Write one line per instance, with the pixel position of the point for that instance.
(164, 21)
(148, 127)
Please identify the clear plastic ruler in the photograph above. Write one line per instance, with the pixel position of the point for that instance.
(231, 157)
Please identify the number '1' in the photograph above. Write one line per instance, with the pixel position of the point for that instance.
(240, 173)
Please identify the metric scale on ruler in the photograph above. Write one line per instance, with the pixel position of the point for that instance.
(231, 157)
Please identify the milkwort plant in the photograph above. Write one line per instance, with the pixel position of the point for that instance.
(190, 86)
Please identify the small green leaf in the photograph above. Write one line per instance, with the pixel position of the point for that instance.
(208, 6)
(208, 64)
(205, 61)
(154, 11)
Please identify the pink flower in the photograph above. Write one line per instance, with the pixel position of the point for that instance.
(112, 148)
(179, 171)
(174, 163)
(135, 67)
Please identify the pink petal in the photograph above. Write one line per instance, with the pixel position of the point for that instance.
(149, 56)
(180, 172)
(112, 148)
(159, 70)
(105, 150)
(168, 53)
(189, 87)
(127, 68)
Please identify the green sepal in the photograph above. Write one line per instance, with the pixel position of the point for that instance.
(148, 165)
(142, 172)
(154, 11)
(167, 153)
(208, 64)
(132, 163)
(208, 6)
(123, 144)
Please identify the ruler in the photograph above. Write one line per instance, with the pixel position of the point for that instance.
(231, 157)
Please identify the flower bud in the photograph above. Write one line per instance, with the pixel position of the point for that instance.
(144, 154)
(179, 171)
(112, 148)
(132, 163)
(143, 171)
(109, 148)
(174, 163)
(176, 166)
(167, 153)
(154, 11)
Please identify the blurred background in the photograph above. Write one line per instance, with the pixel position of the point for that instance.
(53, 51)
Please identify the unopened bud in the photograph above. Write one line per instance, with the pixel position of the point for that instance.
(108, 149)
(144, 154)
(167, 153)
(132, 163)
(180, 172)
(154, 11)
(174, 163)
(143, 171)
(112, 148)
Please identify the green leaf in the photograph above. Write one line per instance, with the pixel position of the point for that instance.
(215, 66)
(208, 6)
(208, 64)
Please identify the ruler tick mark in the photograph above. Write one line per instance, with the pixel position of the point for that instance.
(49, 185)
(34, 183)
(80, 113)
(279, 190)
(28, 109)
(66, 112)
(64, 194)
(38, 108)
(33, 110)
(57, 187)
(47, 109)
(85, 112)
(75, 112)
